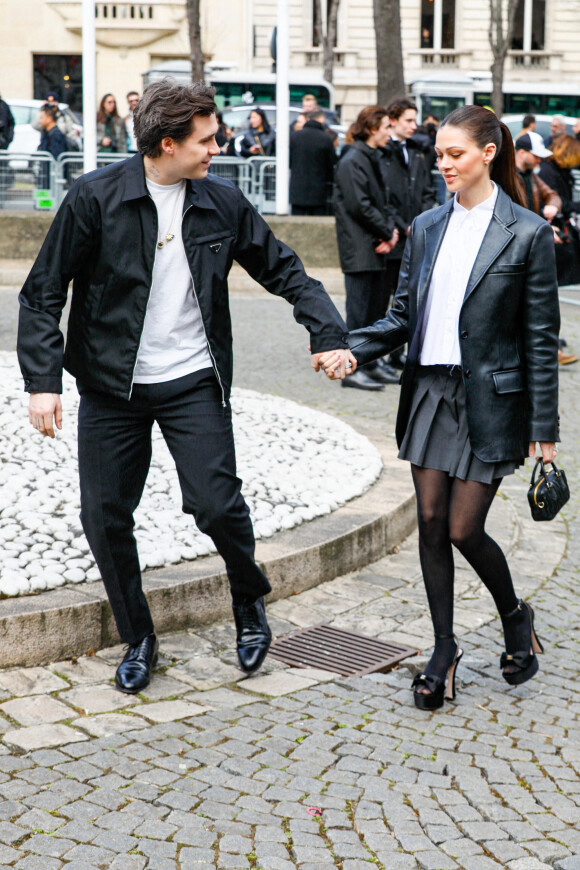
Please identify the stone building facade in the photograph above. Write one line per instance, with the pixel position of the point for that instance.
(40, 43)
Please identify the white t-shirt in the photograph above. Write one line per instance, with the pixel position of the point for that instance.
(454, 264)
(173, 342)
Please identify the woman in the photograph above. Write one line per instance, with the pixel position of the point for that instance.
(111, 131)
(557, 173)
(365, 232)
(260, 138)
(478, 302)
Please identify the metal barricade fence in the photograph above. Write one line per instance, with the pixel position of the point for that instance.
(235, 169)
(263, 194)
(69, 166)
(27, 180)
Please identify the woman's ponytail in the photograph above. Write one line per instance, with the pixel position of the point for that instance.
(503, 168)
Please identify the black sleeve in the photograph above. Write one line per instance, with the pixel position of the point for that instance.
(279, 270)
(65, 252)
(386, 335)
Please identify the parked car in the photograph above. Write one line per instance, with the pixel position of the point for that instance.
(515, 124)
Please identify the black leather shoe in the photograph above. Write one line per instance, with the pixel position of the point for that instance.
(385, 374)
(253, 634)
(134, 672)
(361, 381)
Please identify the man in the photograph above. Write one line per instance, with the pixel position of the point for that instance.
(538, 196)
(557, 128)
(132, 100)
(309, 103)
(52, 139)
(148, 243)
(530, 152)
(63, 122)
(405, 168)
(6, 125)
(528, 125)
(312, 161)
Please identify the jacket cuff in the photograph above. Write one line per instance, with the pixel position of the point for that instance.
(43, 384)
(328, 341)
(543, 433)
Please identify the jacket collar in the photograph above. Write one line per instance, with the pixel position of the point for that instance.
(496, 239)
(196, 193)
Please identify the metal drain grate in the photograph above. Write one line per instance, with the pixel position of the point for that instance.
(333, 649)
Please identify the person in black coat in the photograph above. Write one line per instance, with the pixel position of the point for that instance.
(260, 138)
(6, 125)
(478, 303)
(406, 169)
(52, 140)
(365, 233)
(312, 161)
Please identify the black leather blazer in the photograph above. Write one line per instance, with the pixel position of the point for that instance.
(508, 329)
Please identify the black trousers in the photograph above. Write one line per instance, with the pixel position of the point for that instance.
(114, 446)
(366, 298)
(392, 280)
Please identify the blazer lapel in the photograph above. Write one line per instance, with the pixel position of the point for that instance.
(496, 239)
(433, 237)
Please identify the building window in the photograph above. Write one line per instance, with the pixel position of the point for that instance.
(61, 73)
(529, 28)
(437, 24)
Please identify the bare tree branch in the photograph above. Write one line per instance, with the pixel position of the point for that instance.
(500, 39)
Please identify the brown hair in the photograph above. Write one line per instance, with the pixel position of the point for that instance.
(168, 109)
(566, 152)
(368, 119)
(484, 127)
(398, 105)
(102, 114)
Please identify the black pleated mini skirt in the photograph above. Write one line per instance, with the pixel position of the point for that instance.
(437, 435)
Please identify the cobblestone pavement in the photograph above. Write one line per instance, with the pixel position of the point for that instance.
(304, 769)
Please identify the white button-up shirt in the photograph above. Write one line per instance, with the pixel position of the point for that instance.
(459, 248)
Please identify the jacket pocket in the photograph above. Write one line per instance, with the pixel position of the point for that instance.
(507, 269)
(509, 381)
(213, 237)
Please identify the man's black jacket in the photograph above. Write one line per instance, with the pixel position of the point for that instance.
(6, 125)
(53, 141)
(312, 159)
(103, 238)
(409, 188)
(360, 210)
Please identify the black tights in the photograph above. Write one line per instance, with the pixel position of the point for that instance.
(453, 511)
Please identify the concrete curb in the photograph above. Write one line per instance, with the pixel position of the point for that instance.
(69, 622)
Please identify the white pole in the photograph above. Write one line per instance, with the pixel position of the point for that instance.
(282, 107)
(89, 87)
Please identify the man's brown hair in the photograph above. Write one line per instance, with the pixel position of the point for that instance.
(168, 109)
(398, 105)
(368, 119)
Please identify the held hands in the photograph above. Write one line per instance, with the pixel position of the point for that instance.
(334, 363)
(42, 409)
(547, 448)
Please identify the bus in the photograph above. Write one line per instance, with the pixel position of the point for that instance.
(234, 88)
(440, 93)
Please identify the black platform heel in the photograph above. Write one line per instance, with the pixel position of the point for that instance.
(438, 690)
(524, 661)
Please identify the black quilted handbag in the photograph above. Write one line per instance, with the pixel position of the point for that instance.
(549, 492)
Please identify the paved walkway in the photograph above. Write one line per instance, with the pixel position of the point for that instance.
(303, 769)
